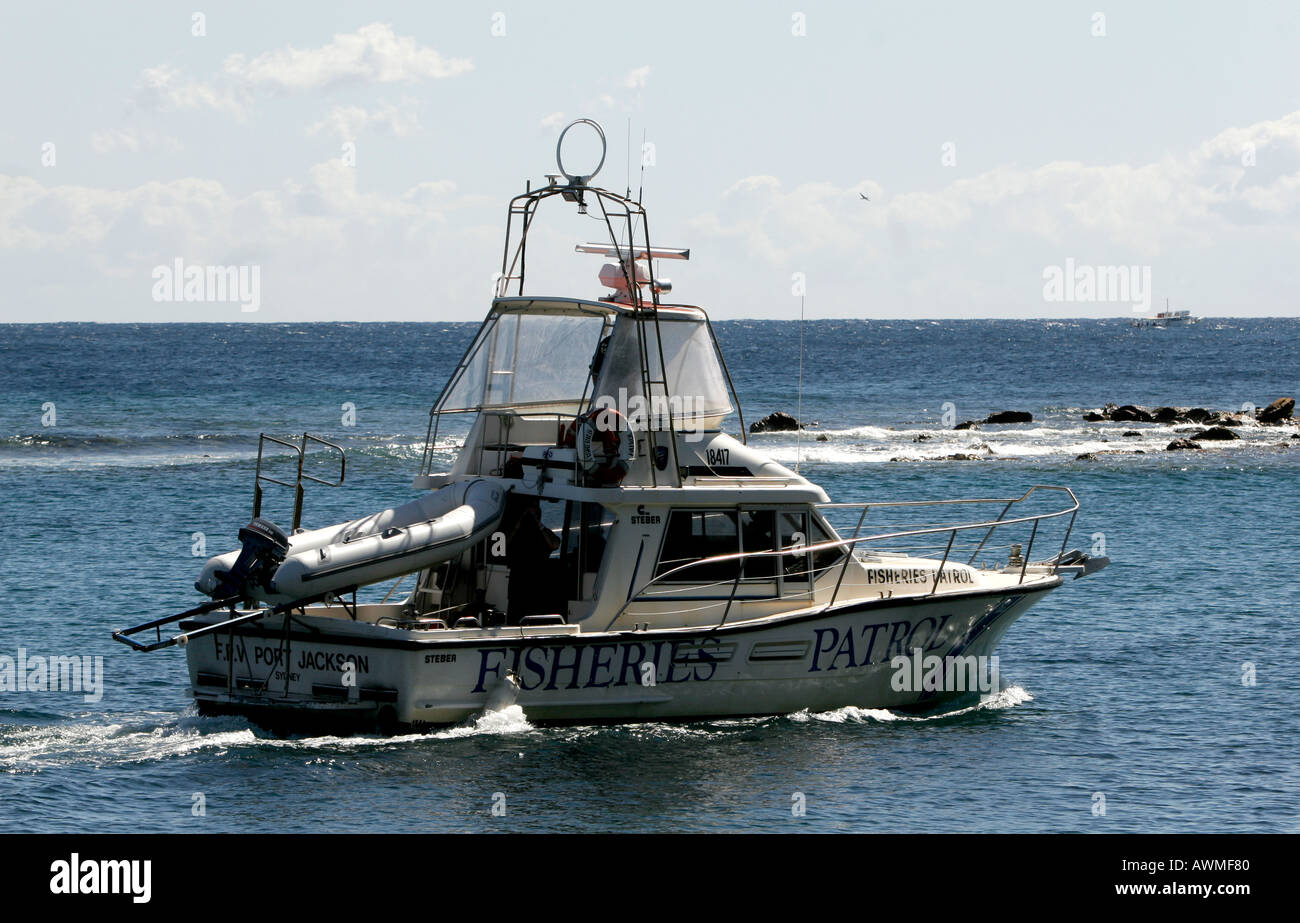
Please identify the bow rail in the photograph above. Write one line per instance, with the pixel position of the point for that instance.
(1076, 561)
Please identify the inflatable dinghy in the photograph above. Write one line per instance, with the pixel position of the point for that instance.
(275, 568)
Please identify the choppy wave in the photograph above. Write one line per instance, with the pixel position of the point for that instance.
(153, 737)
(1064, 440)
(1009, 697)
(156, 737)
(1061, 436)
(98, 450)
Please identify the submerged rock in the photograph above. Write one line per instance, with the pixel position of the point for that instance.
(1092, 456)
(1216, 434)
(968, 424)
(1179, 444)
(1093, 416)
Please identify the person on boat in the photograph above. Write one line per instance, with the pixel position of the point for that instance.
(528, 551)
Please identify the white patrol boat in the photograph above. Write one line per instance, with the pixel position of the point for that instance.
(599, 549)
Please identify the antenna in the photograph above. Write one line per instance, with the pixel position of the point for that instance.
(628, 194)
(641, 191)
(798, 413)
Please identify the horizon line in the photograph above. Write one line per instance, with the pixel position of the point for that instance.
(724, 320)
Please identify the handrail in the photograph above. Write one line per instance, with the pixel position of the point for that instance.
(849, 543)
(301, 451)
(343, 460)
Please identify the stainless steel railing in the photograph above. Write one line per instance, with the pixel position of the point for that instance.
(849, 545)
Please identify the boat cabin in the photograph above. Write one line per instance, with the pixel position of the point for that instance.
(685, 491)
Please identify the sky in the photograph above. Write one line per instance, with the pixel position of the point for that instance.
(354, 161)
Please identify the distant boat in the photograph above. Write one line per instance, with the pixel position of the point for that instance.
(1167, 318)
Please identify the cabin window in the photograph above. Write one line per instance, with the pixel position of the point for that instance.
(696, 534)
(587, 534)
(802, 530)
(758, 533)
(693, 535)
(826, 557)
(794, 534)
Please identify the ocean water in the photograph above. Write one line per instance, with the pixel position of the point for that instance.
(1127, 686)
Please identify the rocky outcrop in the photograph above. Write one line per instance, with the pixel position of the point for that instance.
(776, 422)
(1092, 456)
(968, 424)
(1131, 413)
(1179, 444)
(1010, 416)
(1277, 412)
(1215, 434)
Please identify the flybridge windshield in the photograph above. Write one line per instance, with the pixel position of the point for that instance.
(526, 359)
(542, 356)
(697, 387)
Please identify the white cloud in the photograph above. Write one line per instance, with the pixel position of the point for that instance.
(323, 243)
(1141, 208)
(106, 142)
(348, 122)
(372, 54)
(131, 139)
(1211, 225)
(163, 89)
(977, 245)
(552, 122)
(636, 79)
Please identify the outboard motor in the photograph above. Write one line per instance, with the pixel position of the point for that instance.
(264, 548)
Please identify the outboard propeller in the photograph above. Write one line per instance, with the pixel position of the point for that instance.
(265, 546)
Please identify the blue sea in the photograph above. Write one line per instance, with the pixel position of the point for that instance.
(1156, 696)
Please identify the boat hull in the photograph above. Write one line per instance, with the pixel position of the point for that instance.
(352, 676)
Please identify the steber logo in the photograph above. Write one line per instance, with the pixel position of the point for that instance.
(103, 876)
